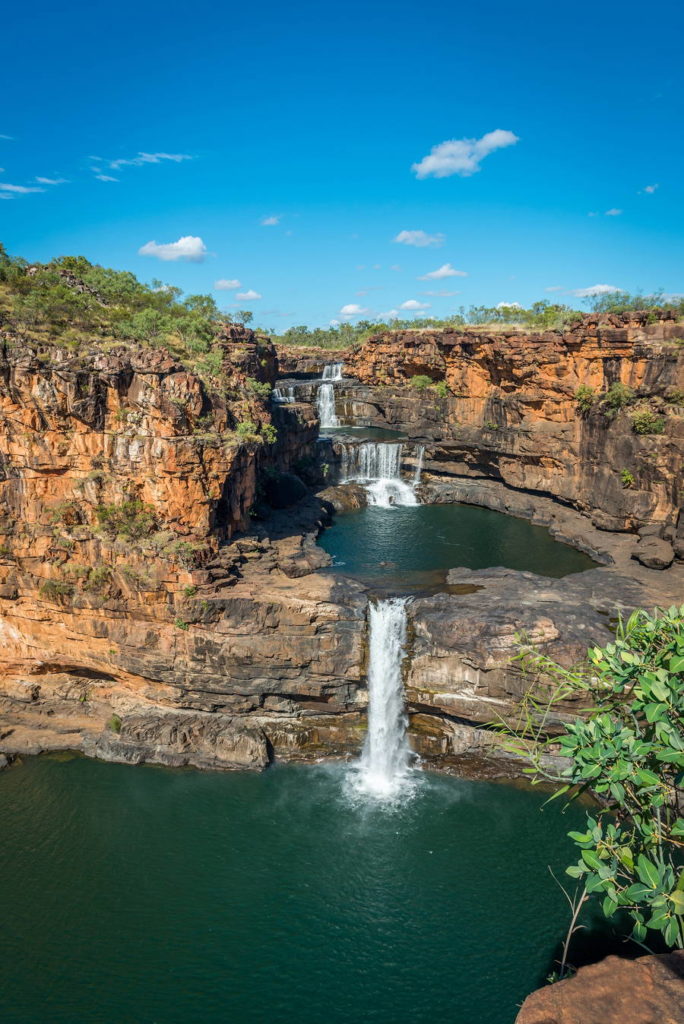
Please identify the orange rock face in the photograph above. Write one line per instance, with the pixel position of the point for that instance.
(649, 990)
(511, 411)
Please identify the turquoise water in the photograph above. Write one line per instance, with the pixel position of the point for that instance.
(141, 895)
(416, 544)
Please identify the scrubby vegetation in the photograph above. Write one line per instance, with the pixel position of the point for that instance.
(647, 422)
(626, 747)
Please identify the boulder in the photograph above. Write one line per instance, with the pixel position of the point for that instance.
(649, 990)
(654, 553)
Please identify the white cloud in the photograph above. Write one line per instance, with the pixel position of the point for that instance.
(270, 222)
(595, 289)
(148, 158)
(446, 270)
(508, 305)
(414, 304)
(554, 288)
(334, 323)
(51, 181)
(462, 156)
(227, 285)
(419, 238)
(390, 314)
(613, 212)
(9, 138)
(395, 266)
(188, 248)
(352, 309)
(249, 296)
(102, 177)
(441, 294)
(651, 188)
(20, 189)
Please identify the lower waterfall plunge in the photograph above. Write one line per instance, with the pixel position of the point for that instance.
(384, 766)
(378, 467)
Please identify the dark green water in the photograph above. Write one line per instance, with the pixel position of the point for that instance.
(419, 543)
(141, 895)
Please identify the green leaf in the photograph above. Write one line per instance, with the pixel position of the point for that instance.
(609, 906)
(671, 931)
(646, 870)
(676, 664)
(637, 892)
(591, 858)
(580, 837)
(677, 898)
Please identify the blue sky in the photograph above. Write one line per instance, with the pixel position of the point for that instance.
(318, 118)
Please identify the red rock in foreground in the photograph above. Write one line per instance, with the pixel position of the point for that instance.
(649, 990)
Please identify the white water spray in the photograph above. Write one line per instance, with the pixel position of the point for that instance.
(325, 400)
(419, 465)
(384, 765)
(378, 467)
(284, 395)
(333, 371)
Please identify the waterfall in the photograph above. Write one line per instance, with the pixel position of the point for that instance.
(325, 400)
(386, 754)
(378, 467)
(284, 395)
(333, 371)
(419, 465)
(325, 403)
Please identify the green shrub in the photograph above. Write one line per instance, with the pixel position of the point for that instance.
(54, 589)
(442, 388)
(269, 433)
(189, 591)
(98, 579)
(627, 478)
(616, 397)
(675, 397)
(585, 398)
(258, 388)
(627, 749)
(114, 723)
(180, 624)
(420, 382)
(646, 422)
(132, 519)
(246, 429)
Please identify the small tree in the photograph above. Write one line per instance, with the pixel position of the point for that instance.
(627, 748)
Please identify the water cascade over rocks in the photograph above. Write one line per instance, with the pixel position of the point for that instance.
(419, 465)
(384, 769)
(284, 395)
(325, 400)
(377, 465)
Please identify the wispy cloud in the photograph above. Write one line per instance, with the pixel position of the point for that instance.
(613, 212)
(446, 270)
(189, 248)
(650, 189)
(20, 190)
(101, 176)
(225, 284)
(8, 138)
(249, 296)
(52, 181)
(271, 221)
(554, 288)
(421, 239)
(594, 289)
(413, 304)
(147, 158)
(442, 294)
(462, 156)
(390, 314)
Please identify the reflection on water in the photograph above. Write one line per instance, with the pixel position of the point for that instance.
(414, 546)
